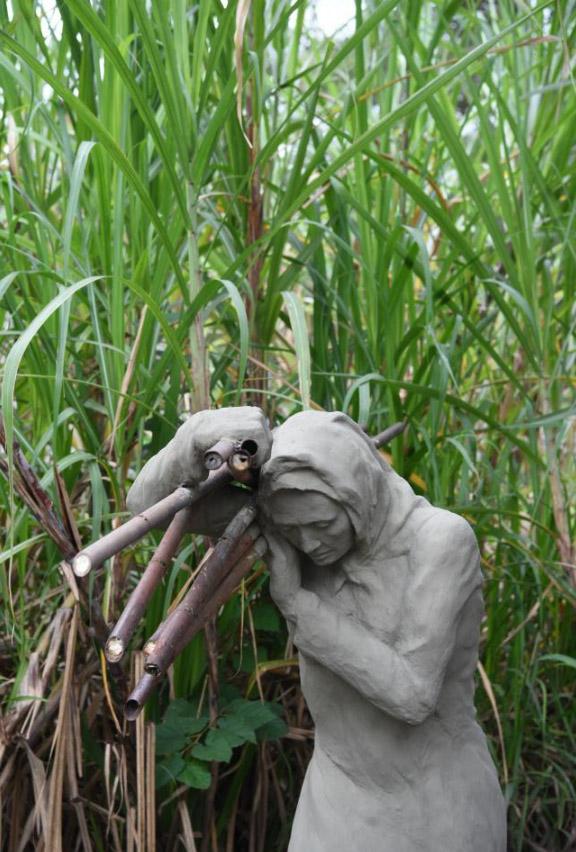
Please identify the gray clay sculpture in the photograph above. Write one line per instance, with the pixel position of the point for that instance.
(382, 595)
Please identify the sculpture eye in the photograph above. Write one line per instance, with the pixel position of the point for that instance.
(322, 525)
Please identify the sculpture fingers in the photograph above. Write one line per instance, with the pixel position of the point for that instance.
(182, 460)
(283, 562)
(241, 425)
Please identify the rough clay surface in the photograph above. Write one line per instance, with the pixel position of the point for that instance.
(382, 594)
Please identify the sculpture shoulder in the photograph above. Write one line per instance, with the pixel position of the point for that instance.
(446, 541)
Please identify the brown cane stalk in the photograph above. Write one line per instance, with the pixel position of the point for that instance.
(389, 433)
(177, 633)
(235, 541)
(138, 601)
(137, 527)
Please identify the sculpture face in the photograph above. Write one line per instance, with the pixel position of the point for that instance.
(314, 523)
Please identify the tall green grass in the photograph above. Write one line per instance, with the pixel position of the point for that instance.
(381, 223)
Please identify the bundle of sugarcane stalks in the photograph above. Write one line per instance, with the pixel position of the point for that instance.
(222, 570)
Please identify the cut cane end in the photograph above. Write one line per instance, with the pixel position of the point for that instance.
(114, 649)
(81, 565)
(240, 462)
(149, 647)
(152, 669)
(212, 461)
(132, 709)
(250, 446)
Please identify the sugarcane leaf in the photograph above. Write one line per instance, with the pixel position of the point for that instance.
(107, 140)
(243, 331)
(7, 281)
(301, 344)
(563, 659)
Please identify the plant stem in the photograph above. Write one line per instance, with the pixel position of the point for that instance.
(199, 367)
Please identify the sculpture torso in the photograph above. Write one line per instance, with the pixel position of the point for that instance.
(398, 785)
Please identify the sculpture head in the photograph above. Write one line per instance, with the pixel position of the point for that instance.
(323, 485)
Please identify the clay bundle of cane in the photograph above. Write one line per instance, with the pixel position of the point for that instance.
(220, 573)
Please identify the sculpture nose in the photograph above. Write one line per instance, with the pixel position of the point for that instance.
(298, 537)
(304, 541)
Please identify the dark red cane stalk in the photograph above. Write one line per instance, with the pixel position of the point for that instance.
(138, 601)
(187, 627)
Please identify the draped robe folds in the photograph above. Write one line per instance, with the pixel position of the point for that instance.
(388, 645)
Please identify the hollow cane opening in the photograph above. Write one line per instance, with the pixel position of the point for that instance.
(132, 709)
(249, 446)
(219, 453)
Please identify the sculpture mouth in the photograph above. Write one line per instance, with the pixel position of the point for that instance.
(322, 555)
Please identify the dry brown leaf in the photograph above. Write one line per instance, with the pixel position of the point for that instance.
(64, 729)
(138, 664)
(66, 508)
(187, 830)
(28, 487)
(72, 753)
(150, 787)
(492, 698)
(31, 690)
(38, 773)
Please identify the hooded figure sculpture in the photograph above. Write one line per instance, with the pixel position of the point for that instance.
(382, 593)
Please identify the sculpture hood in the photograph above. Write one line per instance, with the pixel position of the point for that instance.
(328, 452)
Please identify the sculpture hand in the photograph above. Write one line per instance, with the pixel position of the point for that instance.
(285, 578)
(182, 459)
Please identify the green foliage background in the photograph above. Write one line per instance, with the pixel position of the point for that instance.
(208, 203)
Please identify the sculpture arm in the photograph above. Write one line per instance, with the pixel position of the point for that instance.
(403, 680)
